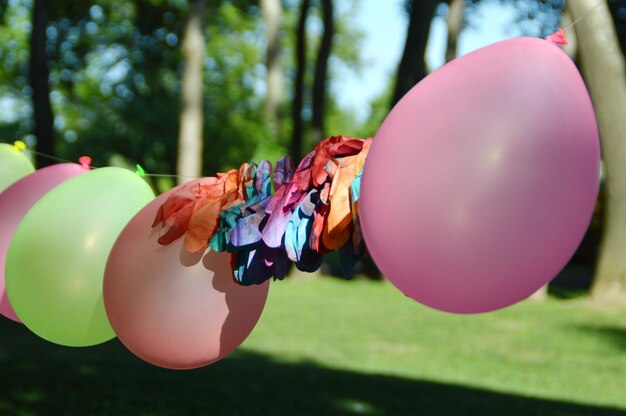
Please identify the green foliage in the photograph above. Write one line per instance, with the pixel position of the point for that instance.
(348, 40)
(379, 108)
(116, 66)
(115, 71)
(14, 38)
(14, 53)
(235, 127)
(534, 17)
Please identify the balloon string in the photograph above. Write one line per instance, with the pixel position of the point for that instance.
(58, 159)
(584, 15)
(166, 175)
(160, 175)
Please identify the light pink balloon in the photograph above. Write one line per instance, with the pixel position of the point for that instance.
(15, 202)
(172, 308)
(481, 182)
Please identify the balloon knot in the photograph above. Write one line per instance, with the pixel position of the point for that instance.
(558, 37)
(19, 145)
(140, 172)
(85, 162)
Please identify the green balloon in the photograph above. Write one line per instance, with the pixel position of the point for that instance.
(14, 165)
(55, 263)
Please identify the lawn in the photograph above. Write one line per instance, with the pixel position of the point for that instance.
(328, 346)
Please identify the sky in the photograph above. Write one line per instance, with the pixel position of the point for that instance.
(385, 23)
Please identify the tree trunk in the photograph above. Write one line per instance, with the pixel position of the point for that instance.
(298, 98)
(605, 75)
(272, 17)
(571, 49)
(190, 140)
(412, 66)
(455, 24)
(411, 70)
(42, 110)
(321, 73)
(540, 295)
(572, 41)
(619, 20)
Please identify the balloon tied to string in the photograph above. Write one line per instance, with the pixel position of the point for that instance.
(558, 37)
(19, 145)
(457, 230)
(85, 162)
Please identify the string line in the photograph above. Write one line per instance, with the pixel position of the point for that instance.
(584, 15)
(160, 175)
(165, 175)
(58, 159)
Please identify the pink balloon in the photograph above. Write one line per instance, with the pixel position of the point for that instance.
(15, 202)
(171, 308)
(481, 182)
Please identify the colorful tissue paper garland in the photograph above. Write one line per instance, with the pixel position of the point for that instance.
(312, 212)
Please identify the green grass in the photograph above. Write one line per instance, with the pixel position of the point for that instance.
(327, 346)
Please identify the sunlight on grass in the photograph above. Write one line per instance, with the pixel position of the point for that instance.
(566, 350)
(328, 346)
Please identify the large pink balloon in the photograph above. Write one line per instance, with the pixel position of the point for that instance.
(481, 182)
(15, 201)
(172, 308)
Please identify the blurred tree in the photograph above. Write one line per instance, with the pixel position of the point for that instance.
(454, 21)
(412, 67)
(190, 139)
(571, 49)
(235, 100)
(317, 79)
(605, 73)
(116, 70)
(15, 90)
(378, 110)
(298, 94)
(618, 12)
(42, 110)
(275, 76)
(537, 18)
(119, 81)
(321, 72)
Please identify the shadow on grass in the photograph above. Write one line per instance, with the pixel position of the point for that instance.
(614, 334)
(567, 293)
(572, 282)
(41, 378)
